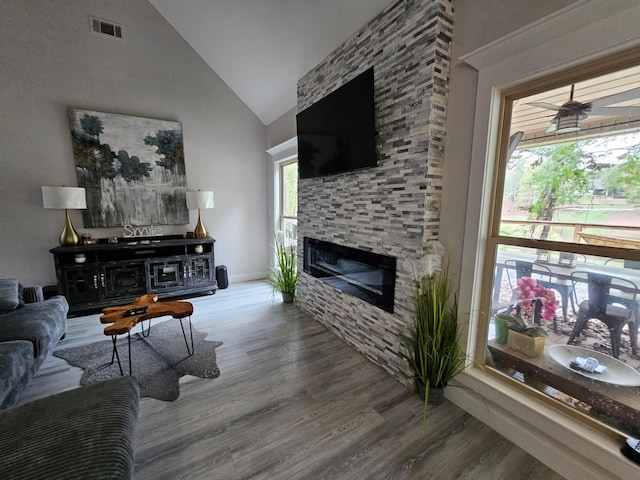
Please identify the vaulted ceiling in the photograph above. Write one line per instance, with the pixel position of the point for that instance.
(261, 48)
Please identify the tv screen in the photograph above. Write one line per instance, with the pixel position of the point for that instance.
(337, 133)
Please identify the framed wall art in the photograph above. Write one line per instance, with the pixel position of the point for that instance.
(131, 167)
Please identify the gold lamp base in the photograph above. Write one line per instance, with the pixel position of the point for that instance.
(200, 230)
(69, 236)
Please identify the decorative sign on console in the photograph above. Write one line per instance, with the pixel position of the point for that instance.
(141, 231)
(131, 167)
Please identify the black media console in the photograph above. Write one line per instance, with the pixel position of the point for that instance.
(104, 274)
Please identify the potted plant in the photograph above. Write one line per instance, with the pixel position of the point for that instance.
(535, 303)
(432, 345)
(284, 276)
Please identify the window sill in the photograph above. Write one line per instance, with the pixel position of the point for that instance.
(568, 446)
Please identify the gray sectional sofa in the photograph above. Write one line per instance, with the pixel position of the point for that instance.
(87, 432)
(84, 433)
(30, 328)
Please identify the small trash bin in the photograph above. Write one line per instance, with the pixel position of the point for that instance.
(221, 276)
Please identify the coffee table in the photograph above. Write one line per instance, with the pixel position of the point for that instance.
(124, 318)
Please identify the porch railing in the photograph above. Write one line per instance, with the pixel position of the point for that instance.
(570, 231)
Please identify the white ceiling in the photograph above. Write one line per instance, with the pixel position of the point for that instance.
(261, 48)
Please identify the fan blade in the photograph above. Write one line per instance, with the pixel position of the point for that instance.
(616, 111)
(616, 98)
(513, 143)
(549, 106)
(553, 126)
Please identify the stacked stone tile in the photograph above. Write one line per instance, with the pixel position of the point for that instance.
(393, 208)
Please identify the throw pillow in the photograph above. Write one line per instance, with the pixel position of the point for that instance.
(20, 295)
(9, 298)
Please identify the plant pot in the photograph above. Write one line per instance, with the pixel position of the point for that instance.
(502, 332)
(287, 297)
(436, 394)
(420, 389)
(529, 346)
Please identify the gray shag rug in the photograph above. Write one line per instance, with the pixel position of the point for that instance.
(159, 360)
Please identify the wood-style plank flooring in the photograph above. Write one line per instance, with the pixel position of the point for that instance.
(294, 402)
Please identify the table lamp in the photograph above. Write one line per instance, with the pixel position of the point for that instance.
(65, 198)
(199, 200)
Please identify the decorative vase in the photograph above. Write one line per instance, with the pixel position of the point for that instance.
(287, 297)
(529, 346)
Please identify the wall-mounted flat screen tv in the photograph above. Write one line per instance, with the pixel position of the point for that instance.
(337, 133)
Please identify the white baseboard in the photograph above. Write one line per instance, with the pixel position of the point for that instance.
(561, 442)
(247, 277)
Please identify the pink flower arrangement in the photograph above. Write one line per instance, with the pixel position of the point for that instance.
(528, 291)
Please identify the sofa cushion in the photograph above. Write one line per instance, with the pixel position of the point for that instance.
(41, 323)
(16, 359)
(30, 294)
(9, 298)
(88, 432)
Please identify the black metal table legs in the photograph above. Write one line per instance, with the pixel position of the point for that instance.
(145, 334)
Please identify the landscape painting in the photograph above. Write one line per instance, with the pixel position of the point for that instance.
(131, 167)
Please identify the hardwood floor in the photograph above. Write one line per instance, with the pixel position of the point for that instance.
(294, 402)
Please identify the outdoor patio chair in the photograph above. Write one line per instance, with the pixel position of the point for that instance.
(613, 301)
(635, 264)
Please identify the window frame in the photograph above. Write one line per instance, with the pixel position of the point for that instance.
(490, 230)
(281, 193)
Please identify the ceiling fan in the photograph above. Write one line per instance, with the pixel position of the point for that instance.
(570, 114)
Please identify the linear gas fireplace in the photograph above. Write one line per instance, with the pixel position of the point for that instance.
(366, 275)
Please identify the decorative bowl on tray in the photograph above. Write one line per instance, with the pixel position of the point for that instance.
(616, 373)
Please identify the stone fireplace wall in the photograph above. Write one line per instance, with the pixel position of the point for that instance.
(394, 208)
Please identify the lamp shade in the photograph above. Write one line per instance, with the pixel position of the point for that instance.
(200, 199)
(64, 197)
(569, 123)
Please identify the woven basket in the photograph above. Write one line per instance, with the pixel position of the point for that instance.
(530, 346)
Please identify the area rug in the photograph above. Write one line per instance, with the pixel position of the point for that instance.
(159, 360)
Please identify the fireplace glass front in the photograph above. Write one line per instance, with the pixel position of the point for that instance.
(363, 274)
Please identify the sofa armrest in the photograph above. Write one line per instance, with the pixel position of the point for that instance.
(85, 433)
(32, 294)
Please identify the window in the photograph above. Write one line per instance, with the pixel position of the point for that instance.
(563, 247)
(288, 180)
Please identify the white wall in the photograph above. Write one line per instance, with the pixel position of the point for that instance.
(50, 61)
(476, 24)
(592, 30)
(282, 129)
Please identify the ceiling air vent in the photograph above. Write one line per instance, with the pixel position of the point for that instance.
(105, 27)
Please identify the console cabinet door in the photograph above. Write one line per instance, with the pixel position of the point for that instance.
(81, 283)
(201, 270)
(165, 274)
(124, 279)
